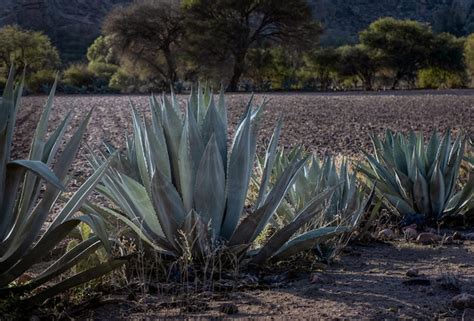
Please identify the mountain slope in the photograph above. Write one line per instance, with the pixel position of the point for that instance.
(74, 24)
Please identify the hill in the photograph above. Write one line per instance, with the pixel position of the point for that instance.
(74, 24)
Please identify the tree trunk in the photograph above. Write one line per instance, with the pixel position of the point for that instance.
(239, 61)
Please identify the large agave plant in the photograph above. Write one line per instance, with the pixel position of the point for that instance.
(344, 209)
(418, 178)
(25, 236)
(179, 180)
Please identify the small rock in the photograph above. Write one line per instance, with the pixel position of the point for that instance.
(229, 308)
(469, 236)
(463, 301)
(413, 273)
(410, 233)
(457, 236)
(386, 235)
(468, 315)
(428, 238)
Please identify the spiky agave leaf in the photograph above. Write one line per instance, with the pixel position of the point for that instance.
(23, 213)
(198, 182)
(417, 177)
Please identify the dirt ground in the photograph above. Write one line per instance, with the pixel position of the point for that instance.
(327, 123)
(368, 282)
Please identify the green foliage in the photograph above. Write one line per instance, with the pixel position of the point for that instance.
(101, 51)
(321, 66)
(29, 50)
(436, 78)
(234, 27)
(358, 61)
(469, 54)
(41, 80)
(26, 48)
(78, 75)
(418, 178)
(29, 189)
(401, 45)
(178, 185)
(147, 35)
(344, 208)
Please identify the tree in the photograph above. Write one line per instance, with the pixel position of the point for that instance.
(403, 46)
(25, 48)
(322, 63)
(219, 29)
(148, 34)
(448, 53)
(469, 54)
(102, 51)
(359, 61)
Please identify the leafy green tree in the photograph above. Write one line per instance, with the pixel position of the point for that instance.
(101, 50)
(148, 34)
(359, 61)
(223, 31)
(322, 65)
(448, 53)
(469, 54)
(404, 46)
(25, 48)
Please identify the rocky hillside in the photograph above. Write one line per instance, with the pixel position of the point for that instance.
(343, 19)
(74, 24)
(71, 24)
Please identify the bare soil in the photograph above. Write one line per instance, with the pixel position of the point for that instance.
(368, 280)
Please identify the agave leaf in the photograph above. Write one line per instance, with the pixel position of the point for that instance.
(253, 224)
(79, 279)
(209, 190)
(168, 206)
(437, 192)
(237, 177)
(284, 234)
(270, 156)
(81, 251)
(308, 240)
(421, 194)
(137, 228)
(197, 234)
(186, 168)
(401, 205)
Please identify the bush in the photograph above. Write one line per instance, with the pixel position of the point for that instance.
(124, 82)
(78, 75)
(436, 78)
(41, 81)
(102, 70)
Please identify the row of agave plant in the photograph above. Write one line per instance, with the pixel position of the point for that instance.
(181, 189)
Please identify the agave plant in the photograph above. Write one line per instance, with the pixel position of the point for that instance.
(344, 209)
(179, 183)
(25, 236)
(419, 179)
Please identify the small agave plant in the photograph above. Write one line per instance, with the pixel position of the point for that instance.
(420, 179)
(25, 236)
(343, 210)
(179, 183)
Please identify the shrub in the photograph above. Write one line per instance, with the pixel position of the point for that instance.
(436, 78)
(78, 75)
(39, 81)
